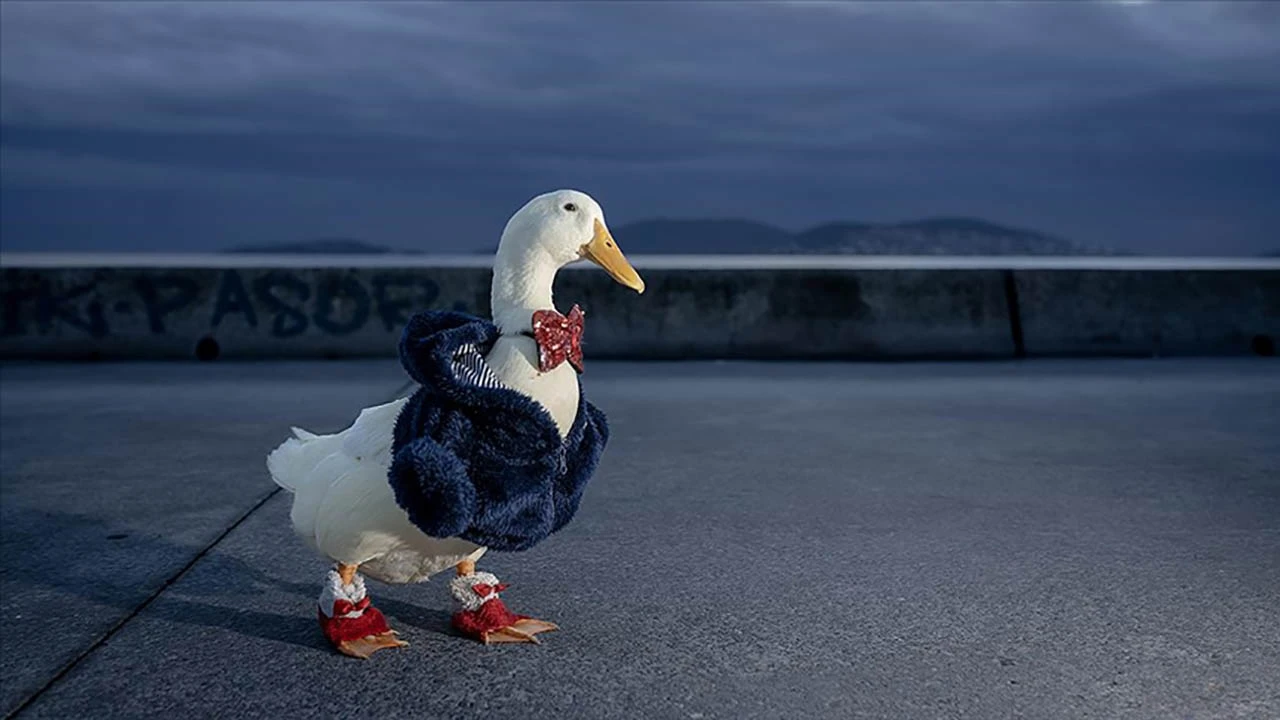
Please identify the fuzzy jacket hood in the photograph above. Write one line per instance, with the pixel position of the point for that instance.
(476, 460)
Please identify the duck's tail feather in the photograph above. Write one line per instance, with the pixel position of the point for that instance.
(295, 458)
(303, 434)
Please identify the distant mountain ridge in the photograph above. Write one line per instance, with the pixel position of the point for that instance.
(931, 236)
(320, 246)
(701, 237)
(936, 236)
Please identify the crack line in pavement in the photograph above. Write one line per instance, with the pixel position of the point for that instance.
(159, 591)
(138, 610)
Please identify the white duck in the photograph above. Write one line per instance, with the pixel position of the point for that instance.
(343, 505)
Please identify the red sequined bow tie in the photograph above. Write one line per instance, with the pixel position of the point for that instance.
(559, 338)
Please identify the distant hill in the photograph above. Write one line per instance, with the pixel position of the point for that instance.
(934, 236)
(320, 246)
(674, 237)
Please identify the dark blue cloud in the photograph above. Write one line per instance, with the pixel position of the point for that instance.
(1148, 126)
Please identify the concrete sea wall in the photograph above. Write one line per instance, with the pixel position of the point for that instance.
(77, 307)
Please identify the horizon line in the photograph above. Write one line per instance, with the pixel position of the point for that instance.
(54, 259)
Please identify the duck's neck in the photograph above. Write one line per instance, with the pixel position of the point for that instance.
(522, 283)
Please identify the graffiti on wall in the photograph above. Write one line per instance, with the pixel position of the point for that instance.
(281, 303)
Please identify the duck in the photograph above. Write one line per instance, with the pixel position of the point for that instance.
(492, 451)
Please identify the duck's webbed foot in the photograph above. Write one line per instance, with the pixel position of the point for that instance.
(364, 647)
(524, 630)
(350, 622)
(481, 614)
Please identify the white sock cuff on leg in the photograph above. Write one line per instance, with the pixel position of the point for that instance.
(334, 590)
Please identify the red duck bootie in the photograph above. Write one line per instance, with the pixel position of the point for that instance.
(349, 620)
(480, 613)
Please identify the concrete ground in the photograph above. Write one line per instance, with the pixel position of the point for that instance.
(1045, 539)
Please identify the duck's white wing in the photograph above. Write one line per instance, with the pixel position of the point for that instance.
(345, 509)
(371, 435)
(313, 466)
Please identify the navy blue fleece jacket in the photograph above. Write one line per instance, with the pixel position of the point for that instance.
(476, 460)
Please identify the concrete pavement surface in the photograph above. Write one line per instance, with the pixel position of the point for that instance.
(1040, 539)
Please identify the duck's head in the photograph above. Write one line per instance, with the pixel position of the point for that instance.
(559, 228)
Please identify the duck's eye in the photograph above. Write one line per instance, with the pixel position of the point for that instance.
(571, 207)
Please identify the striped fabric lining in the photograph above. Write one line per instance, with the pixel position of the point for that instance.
(469, 366)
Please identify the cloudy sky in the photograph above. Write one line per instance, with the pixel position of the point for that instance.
(1147, 126)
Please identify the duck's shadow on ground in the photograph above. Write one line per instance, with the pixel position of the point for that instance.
(99, 563)
(301, 629)
(432, 620)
